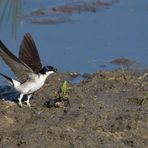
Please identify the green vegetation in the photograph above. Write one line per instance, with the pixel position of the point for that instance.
(11, 10)
(144, 99)
(64, 89)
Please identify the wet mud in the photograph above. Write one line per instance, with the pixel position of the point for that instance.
(106, 109)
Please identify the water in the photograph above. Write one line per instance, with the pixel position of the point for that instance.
(88, 41)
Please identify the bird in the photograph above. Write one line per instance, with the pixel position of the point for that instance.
(28, 69)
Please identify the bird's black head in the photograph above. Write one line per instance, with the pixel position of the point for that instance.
(48, 69)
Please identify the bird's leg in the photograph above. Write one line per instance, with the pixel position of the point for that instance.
(28, 99)
(20, 100)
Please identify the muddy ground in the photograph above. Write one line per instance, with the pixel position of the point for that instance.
(106, 109)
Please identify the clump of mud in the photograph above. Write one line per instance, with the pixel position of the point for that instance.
(106, 109)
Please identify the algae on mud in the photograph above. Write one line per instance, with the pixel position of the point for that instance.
(99, 115)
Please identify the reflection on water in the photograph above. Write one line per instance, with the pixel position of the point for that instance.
(128, 64)
(63, 13)
(8, 93)
(11, 10)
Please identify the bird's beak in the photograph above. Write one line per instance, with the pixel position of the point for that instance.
(55, 70)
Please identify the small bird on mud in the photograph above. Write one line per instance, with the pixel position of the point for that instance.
(28, 69)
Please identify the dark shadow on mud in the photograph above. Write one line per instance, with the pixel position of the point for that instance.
(64, 13)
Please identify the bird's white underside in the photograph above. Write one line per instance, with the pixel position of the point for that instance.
(30, 86)
(33, 84)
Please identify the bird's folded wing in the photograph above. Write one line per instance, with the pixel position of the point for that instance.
(29, 54)
(20, 69)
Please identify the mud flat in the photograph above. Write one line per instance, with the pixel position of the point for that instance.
(106, 109)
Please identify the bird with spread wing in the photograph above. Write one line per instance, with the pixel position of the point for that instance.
(30, 73)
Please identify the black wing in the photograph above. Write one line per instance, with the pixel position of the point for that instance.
(29, 54)
(20, 69)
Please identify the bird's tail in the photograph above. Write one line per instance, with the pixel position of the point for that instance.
(11, 81)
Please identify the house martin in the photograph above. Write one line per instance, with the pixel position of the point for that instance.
(30, 74)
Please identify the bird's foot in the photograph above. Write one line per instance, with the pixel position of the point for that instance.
(20, 104)
(28, 103)
(20, 100)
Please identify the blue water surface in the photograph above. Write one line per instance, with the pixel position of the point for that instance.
(90, 40)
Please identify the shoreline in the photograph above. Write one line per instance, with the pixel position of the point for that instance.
(104, 111)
